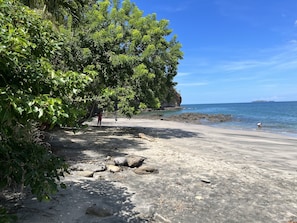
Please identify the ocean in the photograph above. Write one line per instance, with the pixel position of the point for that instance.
(276, 117)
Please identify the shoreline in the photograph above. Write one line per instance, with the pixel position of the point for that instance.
(213, 120)
(205, 174)
(277, 117)
(155, 123)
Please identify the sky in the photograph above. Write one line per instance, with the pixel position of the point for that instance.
(234, 50)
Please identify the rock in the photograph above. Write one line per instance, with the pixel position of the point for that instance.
(85, 173)
(107, 158)
(199, 117)
(120, 161)
(146, 211)
(114, 169)
(76, 168)
(174, 101)
(205, 180)
(198, 197)
(135, 161)
(100, 167)
(146, 170)
(100, 211)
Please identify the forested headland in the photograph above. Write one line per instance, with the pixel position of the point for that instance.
(59, 60)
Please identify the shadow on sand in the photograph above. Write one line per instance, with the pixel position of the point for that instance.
(107, 141)
(70, 205)
(83, 146)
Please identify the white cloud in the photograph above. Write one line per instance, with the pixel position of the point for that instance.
(267, 60)
(271, 67)
(193, 84)
(182, 74)
(243, 65)
(293, 41)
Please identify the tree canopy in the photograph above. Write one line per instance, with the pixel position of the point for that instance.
(134, 56)
(57, 58)
(32, 92)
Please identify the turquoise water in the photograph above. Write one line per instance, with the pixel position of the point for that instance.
(278, 117)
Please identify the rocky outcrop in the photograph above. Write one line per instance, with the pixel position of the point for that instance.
(174, 100)
(199, 118)
(195, 118)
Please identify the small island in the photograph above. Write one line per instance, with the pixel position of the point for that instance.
(262, 101)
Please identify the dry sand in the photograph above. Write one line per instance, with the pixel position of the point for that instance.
(205, 175)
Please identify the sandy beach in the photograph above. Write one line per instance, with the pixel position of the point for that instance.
(204, 174)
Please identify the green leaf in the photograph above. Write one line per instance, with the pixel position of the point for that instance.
(63, 185)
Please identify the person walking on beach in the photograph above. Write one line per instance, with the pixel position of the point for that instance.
(116, 110)
(99, 117)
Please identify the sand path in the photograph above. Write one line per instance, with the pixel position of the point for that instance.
(205, 175)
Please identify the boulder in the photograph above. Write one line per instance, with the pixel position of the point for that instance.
(100, 167)
(85, 173)
(114, 169)
(135, 161)
(120, 161)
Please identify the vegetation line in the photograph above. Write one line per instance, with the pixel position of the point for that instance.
(60, 61)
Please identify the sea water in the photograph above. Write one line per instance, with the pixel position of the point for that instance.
(277, 117)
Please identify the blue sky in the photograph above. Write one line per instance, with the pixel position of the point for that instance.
(234, 50)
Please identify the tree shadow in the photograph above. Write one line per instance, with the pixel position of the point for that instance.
(168, 133)
(87, 144)
(107, 141)
(92, 145)
(71, 205)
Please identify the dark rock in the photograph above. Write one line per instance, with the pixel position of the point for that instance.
(200, 118)
(205, 180)
(174, 99)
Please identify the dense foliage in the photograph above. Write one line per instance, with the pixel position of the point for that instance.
(134, 61)
(53, 71)
(31, 91)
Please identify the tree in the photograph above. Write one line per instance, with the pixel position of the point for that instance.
(113, 54)
(59, 11)
(135, 56)
(32, 91)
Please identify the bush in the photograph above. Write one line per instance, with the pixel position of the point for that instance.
(31, 165)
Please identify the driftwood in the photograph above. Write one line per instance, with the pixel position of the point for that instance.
(146, 137)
